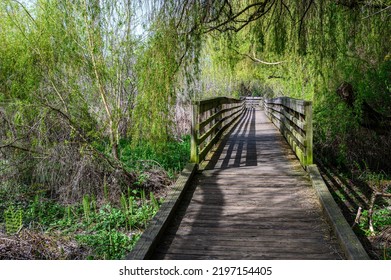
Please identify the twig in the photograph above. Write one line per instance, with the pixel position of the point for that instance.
(20, 228)
(358, 217)
(302, 18)
(253, 58)
(372, 201)
(234, 18)
(378, 12)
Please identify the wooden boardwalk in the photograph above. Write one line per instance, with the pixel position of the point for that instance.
(253, 200)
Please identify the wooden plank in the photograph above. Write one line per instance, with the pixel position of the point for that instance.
(200, 107)
(288, 245)
(202, 138)
(293, 233)
(299, 138)
(294, 104)
(300, 221)
(235, 254)
(254, 205)
(185, 256)
(301, 144)
(263, 192)
(247, 239)
(226, 180)
(259, 193)
(300, 124)
(211, 103)
(206, 247)
(294, 214)
(239, 210)
(243, 201)
(296, 146)
(253, 171)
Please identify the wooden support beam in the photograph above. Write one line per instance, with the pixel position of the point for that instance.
(308, 135)
(194, 150)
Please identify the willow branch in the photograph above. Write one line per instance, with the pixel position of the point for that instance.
(263, 62)
(253, 58)
(287, 8)
(305, 13)
(378, 12)
(250, 19)
(26, 11)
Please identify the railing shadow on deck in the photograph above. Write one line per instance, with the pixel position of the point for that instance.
(240, 129)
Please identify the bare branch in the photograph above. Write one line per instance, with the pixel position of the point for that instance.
(24, 149)
(113, 162)
(234, 19)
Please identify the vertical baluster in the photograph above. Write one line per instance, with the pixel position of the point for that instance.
(308, 134)
(194, 153)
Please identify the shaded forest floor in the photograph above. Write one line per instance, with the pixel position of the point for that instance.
(351, 192)
(35, 224)
(46, 229)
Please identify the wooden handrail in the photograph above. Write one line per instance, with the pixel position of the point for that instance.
(253, 101)
(293, 117)
(210, 119)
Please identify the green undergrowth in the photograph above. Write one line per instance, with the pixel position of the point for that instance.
(108, 231)
(381, 239)
(355, 188)
(381, 220)
(172, 156)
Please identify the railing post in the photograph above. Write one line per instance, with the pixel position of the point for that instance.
(308, 134)
(194, 152)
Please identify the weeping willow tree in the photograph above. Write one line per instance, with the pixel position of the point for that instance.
(316, 50)
(66, 92)
(156, 82)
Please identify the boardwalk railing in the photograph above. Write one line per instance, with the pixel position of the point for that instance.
(253, 102)
(210, 118)
(293, 118)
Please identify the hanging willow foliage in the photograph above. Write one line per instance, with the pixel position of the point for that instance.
(156, 70)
